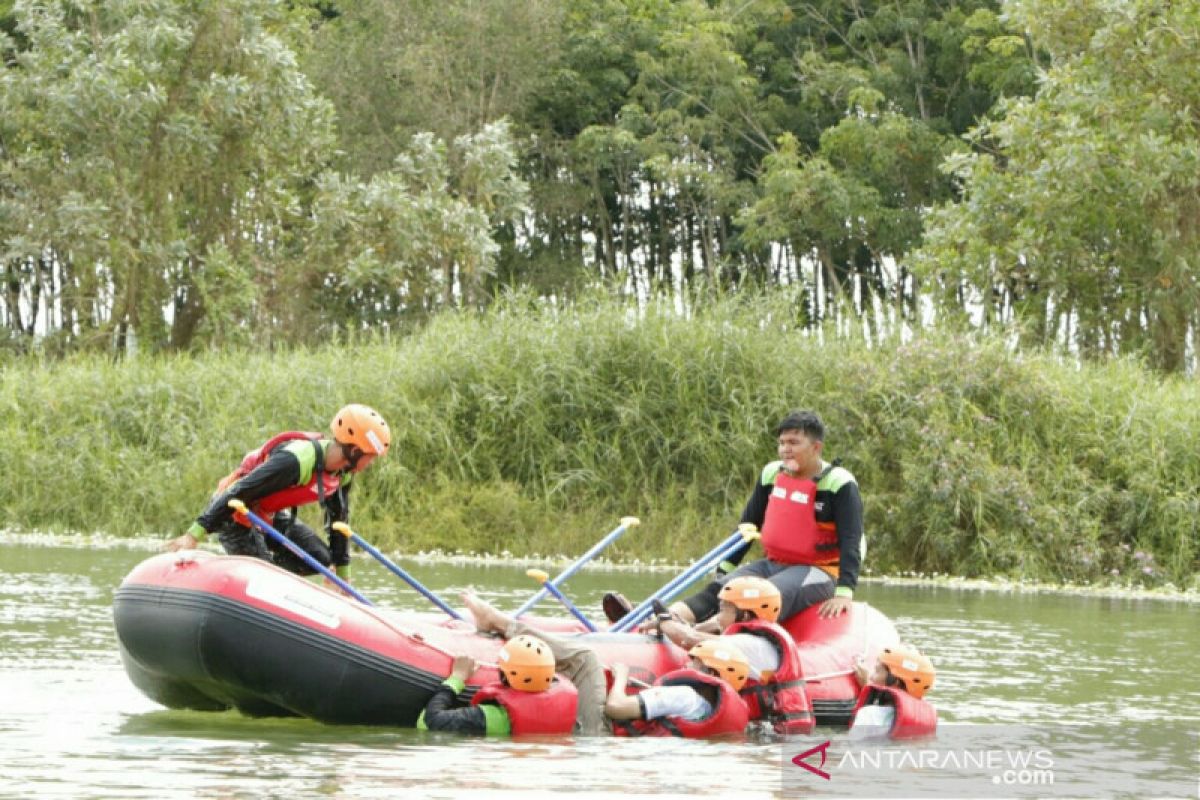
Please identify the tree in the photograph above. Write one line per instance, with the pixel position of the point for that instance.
(410, 239)
(1085, 218)
(152, 153)
(394, 68)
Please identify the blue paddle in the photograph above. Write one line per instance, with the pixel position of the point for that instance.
(265, 527)
(544, 579)
(745, 533)
(396, 569)
(560, 578)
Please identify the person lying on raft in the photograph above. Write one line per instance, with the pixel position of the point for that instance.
(580, 668)
(892, 701)
(696, 702)
(749, 608)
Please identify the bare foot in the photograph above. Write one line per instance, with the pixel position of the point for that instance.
(487, 618)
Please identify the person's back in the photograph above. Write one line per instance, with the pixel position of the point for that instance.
(294, 469)
(749, 611)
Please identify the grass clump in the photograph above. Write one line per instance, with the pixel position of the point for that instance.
(532, 429)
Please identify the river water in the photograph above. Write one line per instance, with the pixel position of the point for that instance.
(1102, 695)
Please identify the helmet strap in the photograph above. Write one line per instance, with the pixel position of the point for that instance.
(352, 453)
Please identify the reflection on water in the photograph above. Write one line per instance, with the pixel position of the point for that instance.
(72, 725)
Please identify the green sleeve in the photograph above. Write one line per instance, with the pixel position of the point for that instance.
(498, 723)
(456, 685)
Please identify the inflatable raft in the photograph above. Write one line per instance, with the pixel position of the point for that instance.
(207, 632)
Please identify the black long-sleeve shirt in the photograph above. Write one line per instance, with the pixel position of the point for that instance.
(280, 471)
(843, 508)
(444, 712)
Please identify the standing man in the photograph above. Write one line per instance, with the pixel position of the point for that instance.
(293, 469)
(811, 518)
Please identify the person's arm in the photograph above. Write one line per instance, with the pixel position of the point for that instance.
(620, 706)
(848, 518)
(861, 674)
(684, 635)
(278, 472)
(443, 713)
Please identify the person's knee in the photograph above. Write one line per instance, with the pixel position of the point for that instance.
(798, 598)
(243, 542)
(704, 604)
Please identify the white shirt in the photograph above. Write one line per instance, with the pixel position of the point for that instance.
(675, 701)
(758, 650)
(873, 721)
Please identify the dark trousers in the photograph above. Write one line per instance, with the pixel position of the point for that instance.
(239, 540)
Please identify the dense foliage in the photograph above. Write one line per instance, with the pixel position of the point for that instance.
(531, 430)
(193, 173)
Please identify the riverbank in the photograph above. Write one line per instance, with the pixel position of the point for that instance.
(530, 429)
(150, 545)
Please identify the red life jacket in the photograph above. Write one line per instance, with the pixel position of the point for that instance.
(914, 716)
(790, 531)
(551, 711)
(780, 698)
(292, 496)
(729, 716)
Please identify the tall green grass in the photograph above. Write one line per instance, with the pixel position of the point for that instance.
(532, 430)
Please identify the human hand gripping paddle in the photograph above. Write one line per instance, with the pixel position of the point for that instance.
(269, 530)
(396, 569)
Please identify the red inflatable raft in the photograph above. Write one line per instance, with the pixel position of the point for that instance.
(208, 632)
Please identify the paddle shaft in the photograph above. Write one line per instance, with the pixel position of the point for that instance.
(558, 580)
(681, 581)
(297, 551)
(395, 568)
(647, 604)
(562, 598)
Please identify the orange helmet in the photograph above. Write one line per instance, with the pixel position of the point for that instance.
(362, 427)
(527, 663)
(754, 594)
(724, 659)
(906, 663)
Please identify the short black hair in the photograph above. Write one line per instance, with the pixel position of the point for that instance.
(807, 422)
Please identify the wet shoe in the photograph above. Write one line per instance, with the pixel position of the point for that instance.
(615, 606)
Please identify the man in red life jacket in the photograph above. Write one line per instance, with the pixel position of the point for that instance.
(748, 610)
(697, 702)
(810, 515)
(892, 700)
(290, 470)
(527, 698)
